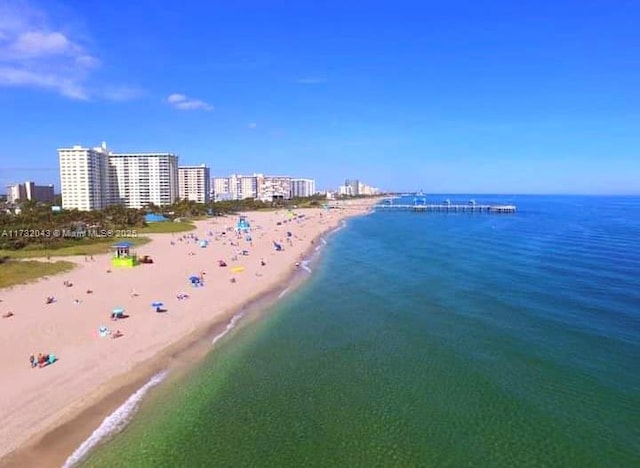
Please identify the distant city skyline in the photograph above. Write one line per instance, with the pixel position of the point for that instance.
(461, 97)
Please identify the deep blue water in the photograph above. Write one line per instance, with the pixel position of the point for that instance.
(428, 339)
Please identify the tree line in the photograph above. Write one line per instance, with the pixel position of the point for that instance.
(36, 222)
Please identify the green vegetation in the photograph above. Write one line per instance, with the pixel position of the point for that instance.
(36, 230)
(69, 248)
(14, 272)
(176, 226)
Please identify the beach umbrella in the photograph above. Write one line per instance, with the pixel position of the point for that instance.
(118, 310)
(157, 304)
(194, 278)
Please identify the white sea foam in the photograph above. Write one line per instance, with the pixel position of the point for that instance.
(115, 422)
(323, 240)
(304, 264)
(230, 326)
(284, 291)
(343, 224)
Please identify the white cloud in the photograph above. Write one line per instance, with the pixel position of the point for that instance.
(182, 102)
(34, 53)
(252, 125)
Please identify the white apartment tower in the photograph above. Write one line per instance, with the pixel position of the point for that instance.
(139, 179)
(275, 187)
(84, 178)
(194, 183)
(236, 187)
(303, 187)
(92, 179)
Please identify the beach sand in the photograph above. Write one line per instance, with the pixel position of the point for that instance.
(58, 406)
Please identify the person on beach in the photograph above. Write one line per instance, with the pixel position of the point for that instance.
(32, 361)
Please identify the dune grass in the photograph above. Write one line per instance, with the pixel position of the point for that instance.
(14, 272)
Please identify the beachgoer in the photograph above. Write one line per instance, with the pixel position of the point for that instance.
(7, 315)
(32, 361)
(43, 360)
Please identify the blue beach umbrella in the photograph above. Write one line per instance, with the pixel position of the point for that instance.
(194, 278)
(118, 310)
(157, 304)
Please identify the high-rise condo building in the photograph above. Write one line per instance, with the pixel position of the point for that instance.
(236, 187)
(194, 183)
(275, 188)
(96, 178)
(140, 179)
(257, 186)
(354, 186)
(29, 191)
(84, 178)
(303, 187)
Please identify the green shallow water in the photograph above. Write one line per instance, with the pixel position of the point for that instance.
(430, 340)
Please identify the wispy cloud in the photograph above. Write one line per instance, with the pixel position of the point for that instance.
(182, 102)
(34, 53)
(310, 80)
(252, 125)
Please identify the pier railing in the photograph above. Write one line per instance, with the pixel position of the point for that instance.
(447, 207)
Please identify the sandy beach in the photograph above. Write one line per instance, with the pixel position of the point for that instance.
(35, 401)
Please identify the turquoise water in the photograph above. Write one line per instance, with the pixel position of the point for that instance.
(427, 340)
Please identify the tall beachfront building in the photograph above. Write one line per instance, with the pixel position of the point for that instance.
(257, 186)
(275, 188)
(303, 187)
(236, 187)
(353, 186)
(84, 178)
(140, 179)
(194, 183)
(92, 179)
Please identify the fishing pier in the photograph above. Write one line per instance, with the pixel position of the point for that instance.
(446, 206)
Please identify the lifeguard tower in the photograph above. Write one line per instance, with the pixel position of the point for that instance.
(243, 225)
(122, 255)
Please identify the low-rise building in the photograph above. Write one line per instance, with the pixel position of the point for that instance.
(29, 191)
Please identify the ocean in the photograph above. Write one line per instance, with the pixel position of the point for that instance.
(423, 339)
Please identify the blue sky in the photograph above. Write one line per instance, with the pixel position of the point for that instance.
(456, 96)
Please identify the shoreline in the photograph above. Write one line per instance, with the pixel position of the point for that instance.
(54, 444)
